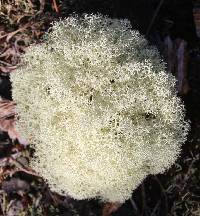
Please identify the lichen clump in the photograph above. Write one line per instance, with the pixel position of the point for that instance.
(97, 106)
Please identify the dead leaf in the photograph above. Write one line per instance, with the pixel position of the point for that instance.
(14, 208)
(7, 109)
(8, 125)
(15, 185)
(7, 69)
(110, 208)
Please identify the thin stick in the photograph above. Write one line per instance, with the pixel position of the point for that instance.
(5, 63)
(143, 200)
(155, 208)
(11, 34)
(163, 192)
(55, 6)
(134, 206)
(154, 17)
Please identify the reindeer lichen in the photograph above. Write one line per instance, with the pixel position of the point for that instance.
(98, 107)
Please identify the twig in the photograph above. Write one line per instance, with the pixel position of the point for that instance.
(11, 34)
(54, 197)
(25, 170)
(143, 200)
(134, 206)
(19, 167)
(7, 116)
(154, 17)
(155, 208)
(188, 173)
(42, 4)
(164, 193)
(5, 63)
(55, 6)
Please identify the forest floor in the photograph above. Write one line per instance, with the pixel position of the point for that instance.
(170, 25)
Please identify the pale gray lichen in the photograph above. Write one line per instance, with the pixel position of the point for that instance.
(96, 104)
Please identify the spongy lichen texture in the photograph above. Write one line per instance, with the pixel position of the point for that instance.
(97, 106)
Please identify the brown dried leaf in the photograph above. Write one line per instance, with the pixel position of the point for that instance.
(8, 52)
(9, 166)
(14, 185)
(14, 208)
(110, 208)
(8, 125)
(7, 109)
(7, 69)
